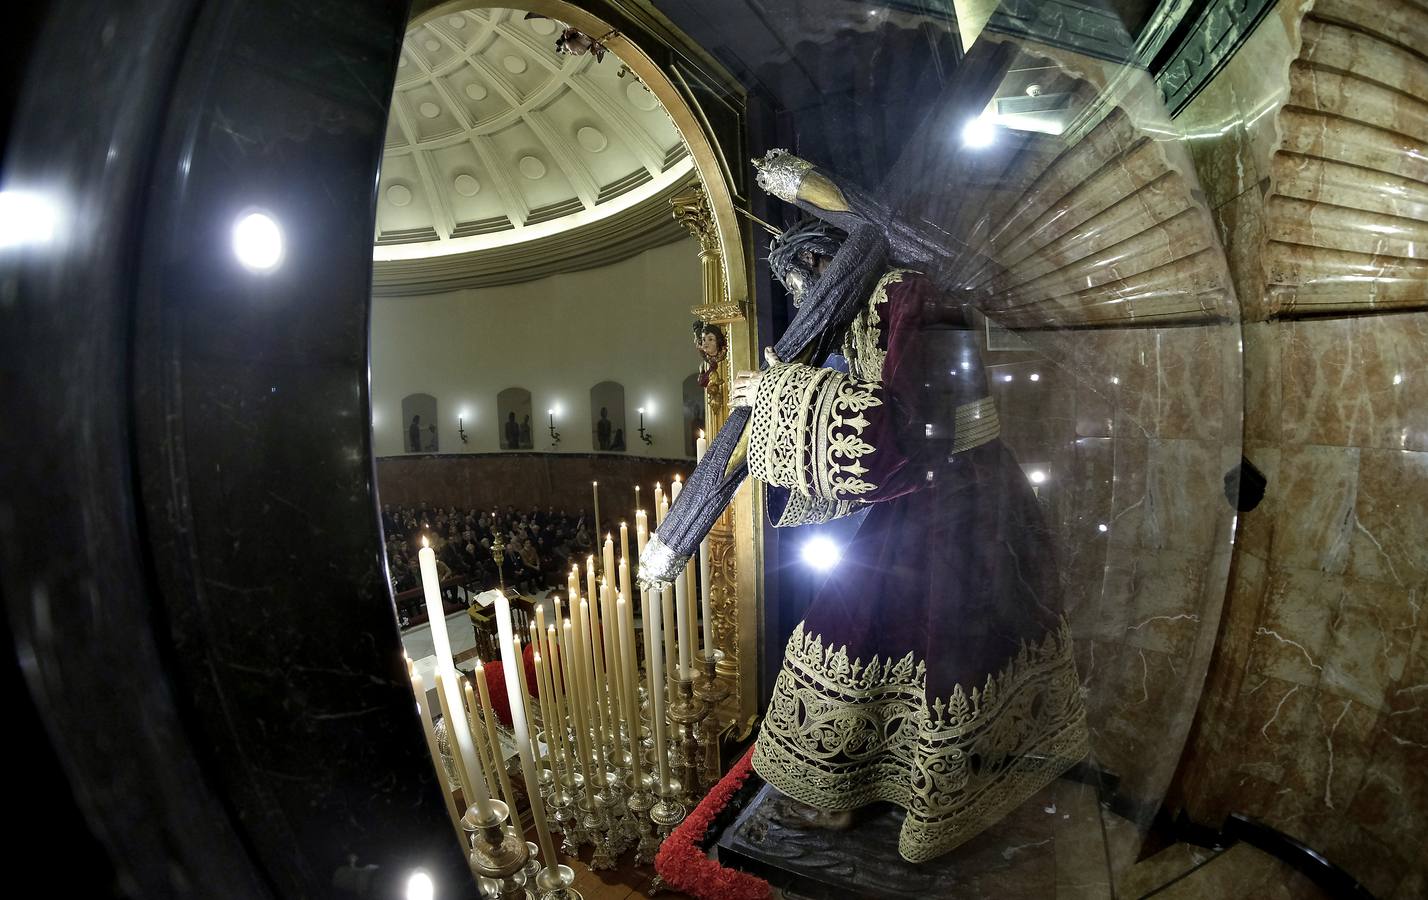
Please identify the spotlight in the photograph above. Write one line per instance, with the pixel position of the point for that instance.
(26, 218)
(821, 553)
(979, 132)
(1036, 476)
(420, 886)
(258, 241)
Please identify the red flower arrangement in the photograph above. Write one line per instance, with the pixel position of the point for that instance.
(682, 861)
(496, 684)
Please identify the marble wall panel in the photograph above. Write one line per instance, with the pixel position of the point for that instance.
(1311, 224)
(1240, 224)
(1317, 491)
(1391, 518)
(1372, 632)
(1292, 629)
(1348, 191)
(1214, 132)
(1313, 715)
(1166, 601)
(1404, 705)
(1356, 382)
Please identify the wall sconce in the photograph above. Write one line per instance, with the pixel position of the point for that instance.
(461, 429)
(554, 435)
(644, 435)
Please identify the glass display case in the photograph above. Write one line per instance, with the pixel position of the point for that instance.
(968, 369)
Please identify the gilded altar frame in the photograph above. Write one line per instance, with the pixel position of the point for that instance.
(706, 105)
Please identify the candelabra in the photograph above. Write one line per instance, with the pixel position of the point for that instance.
(687, 711)
(461, 429)
(644, 435)
(712, 690)
(554, 435)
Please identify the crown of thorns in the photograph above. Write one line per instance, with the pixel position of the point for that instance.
(797, 246)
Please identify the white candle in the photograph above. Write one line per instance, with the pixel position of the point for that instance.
(631, 696)
(557, 668)
(516, 692)
(656, 667)
(593, 691)
(540, 657)
(578, 704)
(667, 620)
(681, 618)
(597, 659)
(476, 789)
(607, 558)
(682, 630)
(641, 536)
(595, 492)
(590, 584)
(490, 749)
(705, 601)
(428, 729)
(614, 682)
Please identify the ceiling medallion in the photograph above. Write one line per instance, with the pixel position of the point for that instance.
(399, 195)
(640, 97)
(429, 109)
(432, 45)
(466, 185)
(592, 139)
(476, 91)
(456, 21)
(514, 64)
(542, 26)
(532, 168)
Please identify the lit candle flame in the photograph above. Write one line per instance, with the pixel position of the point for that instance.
(425, 542)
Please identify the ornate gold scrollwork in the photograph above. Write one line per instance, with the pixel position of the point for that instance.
(692, 210)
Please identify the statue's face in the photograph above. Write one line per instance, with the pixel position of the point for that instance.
(709, 343)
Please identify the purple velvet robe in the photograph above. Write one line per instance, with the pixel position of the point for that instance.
(933, 670)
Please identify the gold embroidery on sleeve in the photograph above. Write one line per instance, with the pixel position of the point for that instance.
(838, 445)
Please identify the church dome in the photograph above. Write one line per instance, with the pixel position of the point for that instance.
(496, 139)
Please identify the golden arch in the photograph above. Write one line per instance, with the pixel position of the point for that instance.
(736, 542)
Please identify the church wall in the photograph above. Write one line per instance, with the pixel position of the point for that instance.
(1313, 718)
(557, 337)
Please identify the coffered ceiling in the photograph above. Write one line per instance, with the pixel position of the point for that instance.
(496, 139)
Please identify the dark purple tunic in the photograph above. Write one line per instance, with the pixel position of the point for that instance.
(933, 670)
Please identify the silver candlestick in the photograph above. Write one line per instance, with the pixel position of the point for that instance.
(640, 802)
(497, 852)
(712, 690)
(666, 813)
(686, 711)
(556, 883)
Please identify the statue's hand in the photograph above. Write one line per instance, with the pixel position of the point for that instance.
(746, 384)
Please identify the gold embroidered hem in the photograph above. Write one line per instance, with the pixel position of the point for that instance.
(840, 734)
